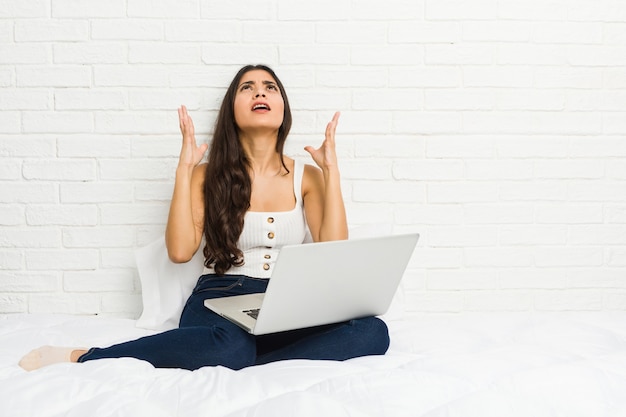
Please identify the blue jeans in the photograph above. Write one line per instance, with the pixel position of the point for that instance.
(204, 338)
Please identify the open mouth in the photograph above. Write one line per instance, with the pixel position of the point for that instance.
(260, 106)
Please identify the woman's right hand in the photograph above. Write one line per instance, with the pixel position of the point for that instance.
(190, 154)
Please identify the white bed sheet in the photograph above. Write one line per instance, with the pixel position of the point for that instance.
(482, 365)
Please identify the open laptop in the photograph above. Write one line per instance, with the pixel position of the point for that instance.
(321, 283)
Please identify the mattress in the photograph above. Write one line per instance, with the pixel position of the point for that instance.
(483, 365)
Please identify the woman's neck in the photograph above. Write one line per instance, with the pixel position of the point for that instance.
(261, 152)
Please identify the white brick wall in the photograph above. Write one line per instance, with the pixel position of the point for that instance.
(495, 128)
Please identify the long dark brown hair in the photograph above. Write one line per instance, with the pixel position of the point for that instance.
(227, 183)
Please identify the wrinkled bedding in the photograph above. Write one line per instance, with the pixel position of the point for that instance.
(497, 364)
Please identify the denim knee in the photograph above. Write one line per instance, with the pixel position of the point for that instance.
(375, 335)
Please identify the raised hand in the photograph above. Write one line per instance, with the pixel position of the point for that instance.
(325, 156)
(190, 154)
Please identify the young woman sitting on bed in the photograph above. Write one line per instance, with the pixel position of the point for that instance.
(247, 188)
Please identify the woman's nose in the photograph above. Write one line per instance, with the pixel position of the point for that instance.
(260, 93)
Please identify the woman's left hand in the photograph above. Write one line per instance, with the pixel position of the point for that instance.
(325, 156)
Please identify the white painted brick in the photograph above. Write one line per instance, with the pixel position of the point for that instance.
(6, 31)
(595, 55)
(497, 76)
(62, 259)
(429, 169)
(326, 54)
(460, 54)
(428, 214)
(32, 237)
(460, 10)
(324, 100)
(426, 122)
(129, 305)
(461, 279)
(157, 147)
(30, 9)
(569, 256)
(92, 99)
(238, 54)
(583, 100)
(29, 282)
(130, 214)
(269, 31)
(526, 235)
(104, 237)
(533, 147)
(499, 257)
(597, 191)
(423, 77)
(7, 77)
(534, 191)
(366, 169)
(134, 123)
(13, 304)
(131, 76)
(596, 277)
(497, 31)
(616, 169)
(499, 213)
(466, 236)
(462, 192)
(392, 10)
(216, 31)
(424, 32)
(153, 191)
(611, 10)
(25, 100)
(529, 278)
(391, 191)
(11, 169)
(59, 170)
(614, 301)
(437, 258)
(354, 33)
(10, 122)
(96, 192)
(64, 304)
(567, 32)
(30, 146)
(459, 99)
(18, 53)
(365, 213)
(133, 169)
(598, 234)
(51, 30)
(93, 146)
(151, 99)
(163, 53)
(57, 122)
(363, 122)
(567, 77)
(494, 170)
(435, 301)
(614, 123)
(532, 10)
(127, 29)
(53, 76)
(318, 10)
(500, 301)
(466, 146)
(88, 9)
(32, 192)
(98, 281)
(579, 300)
(164, 9)
(117, 258)
(525, 99)
(615, 213)
(12, 215)
(61, 214)
(616, 256)
(613, 78)
(387, 55)
(586, 169)
(11, 259)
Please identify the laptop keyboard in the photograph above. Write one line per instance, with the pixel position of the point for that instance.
(254, 313)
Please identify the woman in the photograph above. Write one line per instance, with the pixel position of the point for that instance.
(246, 202)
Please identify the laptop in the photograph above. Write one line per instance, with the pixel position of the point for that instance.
(313, 284)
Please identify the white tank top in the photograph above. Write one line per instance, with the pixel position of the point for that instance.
(264, 233)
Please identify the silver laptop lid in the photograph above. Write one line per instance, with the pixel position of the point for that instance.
(330, 282)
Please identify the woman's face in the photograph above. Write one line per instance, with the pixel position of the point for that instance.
(258, 103)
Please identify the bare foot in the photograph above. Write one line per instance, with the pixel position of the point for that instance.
(49, 355)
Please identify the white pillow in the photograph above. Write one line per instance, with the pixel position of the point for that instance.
(165, 285)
